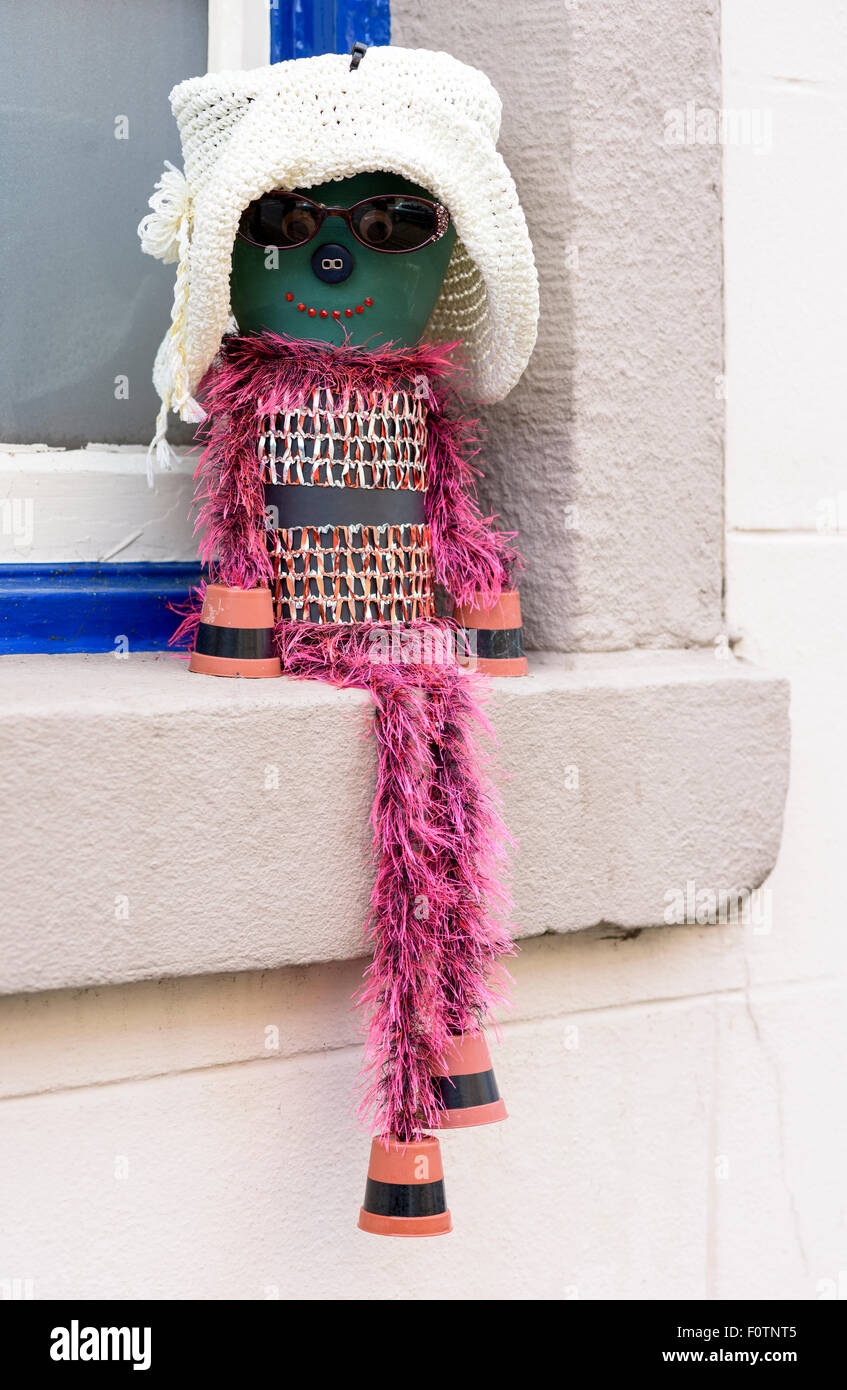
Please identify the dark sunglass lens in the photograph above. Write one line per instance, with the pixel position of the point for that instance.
(279, 221)
(394, 224)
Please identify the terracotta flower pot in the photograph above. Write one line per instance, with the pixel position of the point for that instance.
(404, 1195)
(468, 1086)
(235, 636)
(494, 635)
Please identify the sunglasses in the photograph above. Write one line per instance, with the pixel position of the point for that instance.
(385, 223)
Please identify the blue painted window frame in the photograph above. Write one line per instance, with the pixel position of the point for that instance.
(302, 28)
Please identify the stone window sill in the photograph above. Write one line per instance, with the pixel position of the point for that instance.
(159, 823)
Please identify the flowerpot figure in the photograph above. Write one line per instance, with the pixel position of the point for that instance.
(353, 263)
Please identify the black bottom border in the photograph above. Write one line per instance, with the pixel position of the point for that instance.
(220, 1337)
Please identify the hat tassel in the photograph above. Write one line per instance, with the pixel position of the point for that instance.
(160, 454)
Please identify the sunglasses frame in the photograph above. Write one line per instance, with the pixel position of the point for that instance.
(442, 221)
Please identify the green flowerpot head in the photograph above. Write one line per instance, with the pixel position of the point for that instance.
(357, 294)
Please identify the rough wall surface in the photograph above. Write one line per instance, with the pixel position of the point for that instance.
(608, 455)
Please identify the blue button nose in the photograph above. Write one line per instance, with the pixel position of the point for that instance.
(332, 263)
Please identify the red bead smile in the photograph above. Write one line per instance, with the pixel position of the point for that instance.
(324, 313)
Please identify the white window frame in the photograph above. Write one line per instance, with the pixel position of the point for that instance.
(239, 34)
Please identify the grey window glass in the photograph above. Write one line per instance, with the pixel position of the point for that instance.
(86, 127)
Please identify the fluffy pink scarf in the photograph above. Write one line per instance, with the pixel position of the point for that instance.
(265, 374)
(436, 922)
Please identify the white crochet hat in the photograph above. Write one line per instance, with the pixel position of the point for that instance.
(422, 115)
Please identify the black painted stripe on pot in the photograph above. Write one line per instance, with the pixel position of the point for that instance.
(404, 1199)
(495, 643)
(235, 643)
(289, 505)
(462, 1092)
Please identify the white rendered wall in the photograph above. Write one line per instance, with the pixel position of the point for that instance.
(676, 1094)
(785, 214)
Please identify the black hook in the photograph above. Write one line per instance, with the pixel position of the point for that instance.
(357, 53)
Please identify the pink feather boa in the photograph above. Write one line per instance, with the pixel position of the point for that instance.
(264, 374)
(436, 921)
